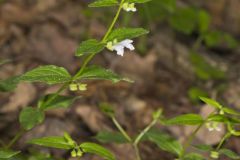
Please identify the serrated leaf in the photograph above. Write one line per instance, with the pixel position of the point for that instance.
(49, 74)
(9, 84)
(30, 117)
(6, 154)
(126, 33)
(58, 102)
(186, 119)
(165, 142)
(229, 153)
(111, 137)
(138, 1)
(98, 150)
(103, 3)
(211, 102)
(95, 72)
(53, 142)
(193, 156)
(89, 47)
(184, 20)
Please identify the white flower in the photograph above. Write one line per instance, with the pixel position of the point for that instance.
(129, 7)
(213, 126)
(119, 47)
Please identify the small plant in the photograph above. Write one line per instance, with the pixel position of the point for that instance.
(115, 40)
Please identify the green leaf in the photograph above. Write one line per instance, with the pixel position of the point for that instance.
(203, 21)
(98, 150)
(111, 137)
(138, 1)
(9, 84)
(6, 154)
(103, 3)
(89, 47)
(165, 142)
(230, 111)
(186, 119)
(213, 38)
(126, 33)
(95, 72)
(203, 147)
(194, 93)
(230, 41)
(53, 142)
(193, 156)
(204, 70)
(58, 102)
(30, 117)
(49, 74)
(217, 118)
(211, 102)
(184, 20)
(229, 153)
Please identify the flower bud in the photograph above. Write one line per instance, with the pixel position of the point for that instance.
(74, 153)
(73, 87)
(214, 155)
(82, 87)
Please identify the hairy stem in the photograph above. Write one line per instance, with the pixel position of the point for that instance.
(140, 136)
(15, 138)
(114, 21)
(192, 136)
(123, 132)
(223, 140)
(65, 85)
(137, 152)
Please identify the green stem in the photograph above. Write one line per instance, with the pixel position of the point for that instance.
(65, 85)
(88, 59)
(114, 21)
(197, 43)
(15, 138)
(137, 152)
(123, 132)
(223, 140)
(140, 136)
(190, 138)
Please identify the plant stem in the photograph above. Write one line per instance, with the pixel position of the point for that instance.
(15, 138)
(190, 138)
(114, 21)
(88, 59)
(140, 136)
(137, 152)
(123, 132)
(65, 85)
(223, 140)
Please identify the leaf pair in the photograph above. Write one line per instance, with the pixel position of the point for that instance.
(30, 117)
(62, 143)
(108, 3)
(93, 46)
